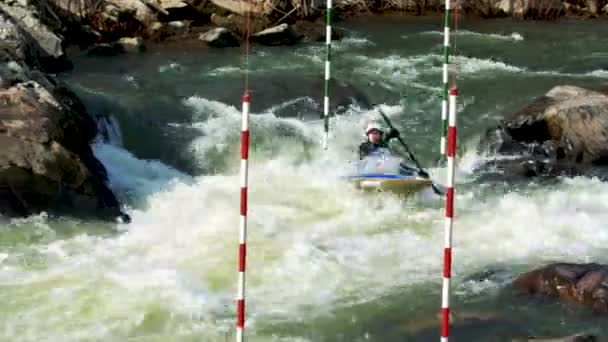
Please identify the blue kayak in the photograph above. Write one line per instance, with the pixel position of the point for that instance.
(383, 171)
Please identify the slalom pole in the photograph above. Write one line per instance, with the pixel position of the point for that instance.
(327, 72)
(240, 299)
(449, 218)
(444, 101)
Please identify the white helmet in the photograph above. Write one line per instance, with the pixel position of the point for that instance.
(373, 125)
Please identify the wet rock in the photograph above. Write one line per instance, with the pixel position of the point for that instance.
(21, 21)
(563, 132)
(121, 46)
(277, 35)
(525, 9)
(592, 7)
(174, 10)
(255, 6)
(577, 283)
(315, 31)
(109, 19)
(105, 49)
(238, 24)
(572, 338)
(132, 44)
(219, 37)
(46, 162)
(171, 30)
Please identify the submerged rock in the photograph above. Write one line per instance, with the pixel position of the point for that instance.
(572, 338)
(585, 284)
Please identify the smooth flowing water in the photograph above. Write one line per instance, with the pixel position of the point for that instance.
(325, 263)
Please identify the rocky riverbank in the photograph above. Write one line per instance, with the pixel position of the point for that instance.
(222, 23)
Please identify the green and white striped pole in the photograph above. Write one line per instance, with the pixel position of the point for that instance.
(327, 72)
(444, 102)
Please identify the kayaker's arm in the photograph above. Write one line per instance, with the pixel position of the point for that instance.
(364, 149)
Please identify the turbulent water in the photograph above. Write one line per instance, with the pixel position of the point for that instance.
(325, 262)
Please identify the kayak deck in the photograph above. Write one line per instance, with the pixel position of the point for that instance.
(400, 184)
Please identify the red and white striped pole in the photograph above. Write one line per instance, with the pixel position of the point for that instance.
(240, 299)
(449, 218)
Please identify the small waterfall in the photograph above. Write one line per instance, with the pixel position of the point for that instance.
(108, 130)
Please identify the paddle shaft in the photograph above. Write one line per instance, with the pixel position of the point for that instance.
(407, 149)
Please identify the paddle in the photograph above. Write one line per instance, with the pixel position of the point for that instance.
(421, 171)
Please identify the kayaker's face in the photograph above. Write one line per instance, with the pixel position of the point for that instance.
(374, 136)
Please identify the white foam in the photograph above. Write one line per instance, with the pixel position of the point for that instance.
(514, 36)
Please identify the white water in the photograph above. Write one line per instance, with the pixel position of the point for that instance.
(314, 244)
(516, 37)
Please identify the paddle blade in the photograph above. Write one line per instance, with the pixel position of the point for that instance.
(439, 189)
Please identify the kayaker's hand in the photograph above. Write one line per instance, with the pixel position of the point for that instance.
(393, 133)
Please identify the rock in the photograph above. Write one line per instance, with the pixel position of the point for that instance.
(173, 10)
(572, 338)
(16, 22)
(10, 73)
(592, 7)
(177, 24)
(259, 7)
(106, 49)
(169, 30)
(315, 31)
(238, 24)
(46, 163)
(277, 35)
(121, 46)
(135, 44)
(578, 283)
(528, 9)
(219, 37)
(605, 9)
(564, 131)
(172, 4)
(49, 44)
(130, 8)
(111, 19)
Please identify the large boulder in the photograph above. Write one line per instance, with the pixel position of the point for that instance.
(565, 130)
(46, 162)
(585, 284)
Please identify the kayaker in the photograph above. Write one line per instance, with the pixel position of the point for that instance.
(375, 139)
